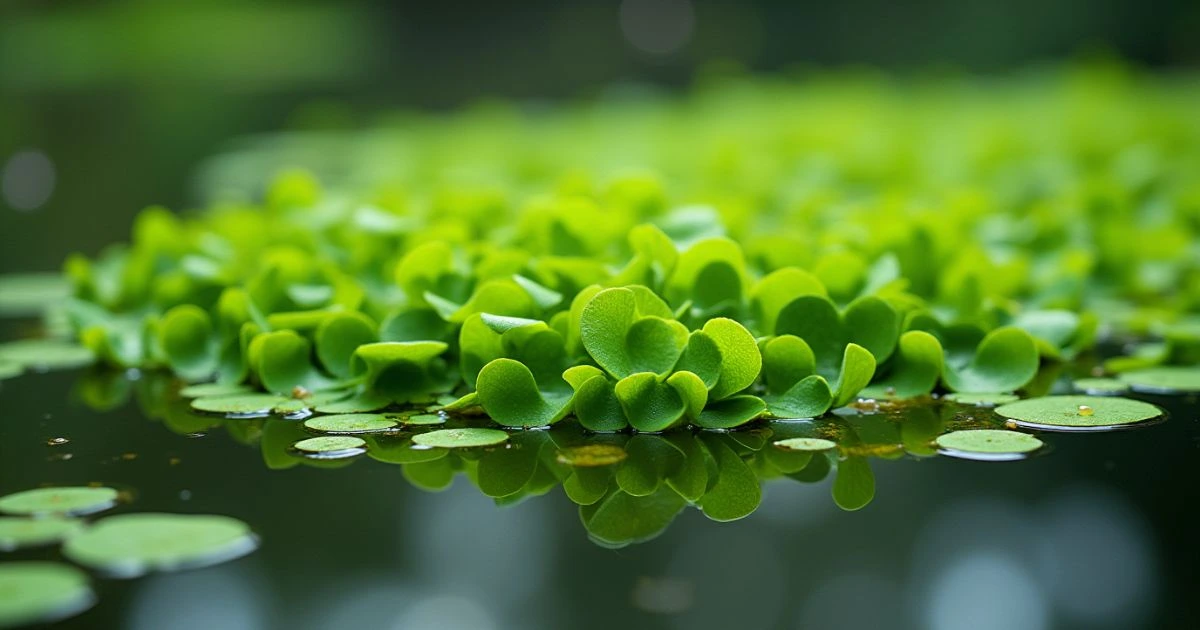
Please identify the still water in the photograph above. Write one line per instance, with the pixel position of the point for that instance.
(1098, 531)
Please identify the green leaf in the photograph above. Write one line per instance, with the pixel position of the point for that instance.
(868, 322)
(66, 501)
(1006, 359)
(736, 493)
(338, 336)
(130, 545)
(510, 395)
(732, 412)
(505, 471)
(649, 404)
(989, 442)
(591, 455)
(649, 459)
(350, 423)
(987, 399)
(805, 444)
(915, 368)
(741, 361)
(186, 337)
(207, 390)
(402, 371)
(1164, 380)
(46, 354)
(1080, 412)
(623, 341)
(461, 438)
(434, 475)
(787, 360)
(702, 357)
(596, 405)
(858, 366)
(282, 361)
(543, 297)
(1105, 386)
(42, 592)
(19, 533)
(854, 486)
(776, 290)
(693, 392)
(809, 398)
(577, 375)
(621, 519)
(332, 446)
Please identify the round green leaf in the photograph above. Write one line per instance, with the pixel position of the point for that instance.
(46, 354)
(993, 444)
(787, 360)
(212, 390)
(422, 419)
(1006, 359)
(854, 486)
(650, 405)
(130, 545)
(186, 338)
(10, 369)
(331, 445)
(461, 438)
(1164, 380)
(41, 592)
(70, 500)
(1101, 386)
(350, 423)
(338, 336)
(741, 361)
(16, 533)
(510, 395)
(1079, 412)
(981, 400)
(915, 368)
(805, 444)
(731, 412)
(246, 405)
(596, 405)
(737, 492)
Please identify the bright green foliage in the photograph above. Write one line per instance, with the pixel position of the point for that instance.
(989, 442)
(59, 501)
(764, 248)
(1095, 412)
(133, 544)
(42, 592)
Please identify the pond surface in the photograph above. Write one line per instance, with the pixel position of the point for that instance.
(1097, 530)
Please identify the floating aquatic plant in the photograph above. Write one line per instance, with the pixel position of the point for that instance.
(17, 533)
(991, 444)
(59, 501)
(42, 592)
(1079, 412)
(130, 545)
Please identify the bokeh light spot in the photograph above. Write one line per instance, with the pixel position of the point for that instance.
(27, 180)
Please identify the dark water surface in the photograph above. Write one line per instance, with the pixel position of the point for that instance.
(1099, 533)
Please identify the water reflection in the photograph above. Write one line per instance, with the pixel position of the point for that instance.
(627, 488)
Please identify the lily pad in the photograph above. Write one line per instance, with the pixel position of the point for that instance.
(130, 545)
(16, 533)
(989, 444)
(212, 390)
(242, 405)
(42, 592)
(981, 400)
(422, 419)
(1164, 380)
(350, 423)
(1079, 412)
(331, 445)
(1100, 386)
(591, 455)
(10, 369)
(805, 444)
(461, 438)
(69, 500)
(46, 354)
(24, 294)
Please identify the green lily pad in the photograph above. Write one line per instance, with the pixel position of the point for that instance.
(360, 403)
(46, 354)
(461, 438)
(213, 390)
(990, 444)
(130, 545)
(804, 444)
(1164, 380)
(10, 369)
(590, 455)
(422, 419)
(331, 445)
(24, 294)
(70, 500)
(42, 592)
(242, 405)
(350, 423)
(981, 400)
(1079, 412)
(16, 533)
(1101, 386)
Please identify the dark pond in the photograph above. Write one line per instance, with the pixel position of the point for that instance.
(1098, 531)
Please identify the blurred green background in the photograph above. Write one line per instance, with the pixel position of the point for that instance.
(107, 106)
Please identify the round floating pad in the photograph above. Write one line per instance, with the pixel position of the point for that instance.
(1079, 412)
